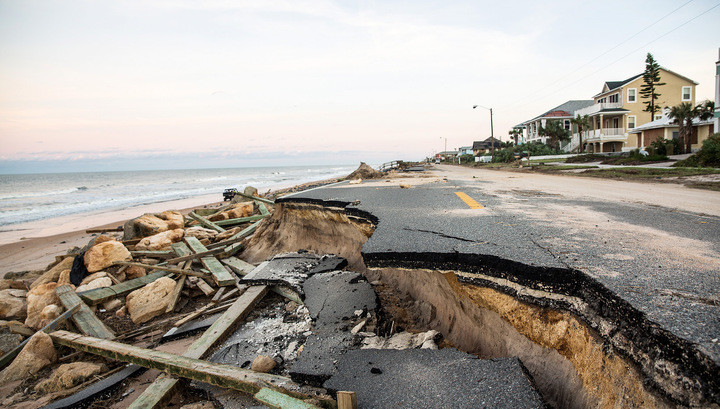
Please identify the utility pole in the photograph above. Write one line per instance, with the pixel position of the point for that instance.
(492, 132)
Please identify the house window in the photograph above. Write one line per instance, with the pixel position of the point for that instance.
(686, 93)
(632, 94)
(658, 117)
(613, 98)
(631, 121)
(601, 101)
(676, 135)
(567, 124)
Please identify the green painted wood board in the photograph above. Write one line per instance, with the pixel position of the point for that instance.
(84, 318)
(219, 273)
(98, 295)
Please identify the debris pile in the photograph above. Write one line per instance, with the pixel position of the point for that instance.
(124, 320)
(364, 171)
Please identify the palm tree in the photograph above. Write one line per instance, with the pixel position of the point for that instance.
(683, 115)
(515, 134)
(582, 123)
(556, 131)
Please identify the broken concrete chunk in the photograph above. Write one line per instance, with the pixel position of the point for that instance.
(149, 224)
(38, 353)
(103, 255)
(160, 241)
(150, 301)
(292, 269)
(422, 378)
(316, 363)
(68, 375)
(334, 297)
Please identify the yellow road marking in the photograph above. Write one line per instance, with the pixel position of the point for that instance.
(469, 201)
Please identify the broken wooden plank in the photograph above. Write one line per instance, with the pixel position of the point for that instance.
(204, 287)
(161, 389)
(152, 253)
(234, 248)
(225, 376)
(287, 293)
(256, 198)
(161, 267)
(100, 295)
(96, 388)
(218, 294)
(239, 220)
(52, 326)
(194, 256)
(263, 209)
(109, 229)
(200, 311)
(279, 400)
(181, 249)
(84, 318)
(205, 222)
(219, 273)
(347, 400)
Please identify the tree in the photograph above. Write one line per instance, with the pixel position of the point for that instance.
(515, 134)
(683, 115)
(651, 82)
(582, 123)
(556, 132)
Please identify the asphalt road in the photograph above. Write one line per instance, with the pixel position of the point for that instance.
(664, 261)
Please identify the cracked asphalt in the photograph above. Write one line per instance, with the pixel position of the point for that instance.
(665, 261)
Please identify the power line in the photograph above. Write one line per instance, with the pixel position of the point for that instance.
(632, 52)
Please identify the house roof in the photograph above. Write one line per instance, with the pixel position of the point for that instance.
(448, 153)
(613, 85)
(566, 109)
(478, 145)
(664, 122)
(464, 148)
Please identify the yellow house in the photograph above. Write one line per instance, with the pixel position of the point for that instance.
(662, 128)
(618, 109)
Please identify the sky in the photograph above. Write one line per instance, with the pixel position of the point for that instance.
(123, 85)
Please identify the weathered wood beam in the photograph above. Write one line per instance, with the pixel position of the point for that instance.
(234, 248)
(163, 268)
(110, 229)
(152, 253)
(84, 318)
(52, 326)
(263, 209)
(202, 310)
(194, 256)
(347, 400)
(205, 222)
(219, 273)
(100, 295)
(228, 222)
(278, 400)
(259, 199)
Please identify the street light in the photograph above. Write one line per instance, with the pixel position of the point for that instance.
(492, 138)
(445, 144)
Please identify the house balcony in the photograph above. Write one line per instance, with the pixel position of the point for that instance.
(592, 109)
(605, 135)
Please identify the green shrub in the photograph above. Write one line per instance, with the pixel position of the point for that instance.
(661, 146)
(707, 156)
(590, 157)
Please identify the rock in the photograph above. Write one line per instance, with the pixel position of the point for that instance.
(291, 306)
(200, 233)
(8, 340)
(102, 239)
(405, 186)
(263, 364)
(150, 301)
(51, 312)
(101, 282)
(67, 376)
(103, 255)
(160, 241)
(237, 210)
(93, 276)
(121, 312)
(112, 304)
(149, 224)
(53, 274)
(38, 353)
(355, 182)
(199, 405)
(228, 233)
(37, 299)
(64, 277)
(13, 399)
(249, 190)
(13, 304)
(133, 272)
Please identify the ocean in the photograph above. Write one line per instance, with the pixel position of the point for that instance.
(32, 197)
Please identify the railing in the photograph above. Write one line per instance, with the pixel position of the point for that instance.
(598, 107)
(389, 165)
(605, 134)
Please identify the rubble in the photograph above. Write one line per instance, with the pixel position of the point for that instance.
(172, 293)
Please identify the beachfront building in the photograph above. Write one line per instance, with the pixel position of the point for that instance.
(564, 113)
(480, 148)
(717, 93)
(618, 109)
(663, 128)
(521, 135)
(466, 150)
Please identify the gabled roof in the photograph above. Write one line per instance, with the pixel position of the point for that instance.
(613, 85)
(486, 144)
(566, 109)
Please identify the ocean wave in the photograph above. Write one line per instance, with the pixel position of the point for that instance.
(38, 194)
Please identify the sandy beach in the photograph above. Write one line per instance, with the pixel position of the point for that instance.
(34, 245)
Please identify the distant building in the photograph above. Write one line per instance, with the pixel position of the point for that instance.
(479, 148)
(446, 154)
(564, 113)
(466, 150)
(717, 93)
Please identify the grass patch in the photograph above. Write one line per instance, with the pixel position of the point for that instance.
(647, 173)
(705, 185)
(558, 168)
(542, 161)
(590, 157)
(635, 160)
